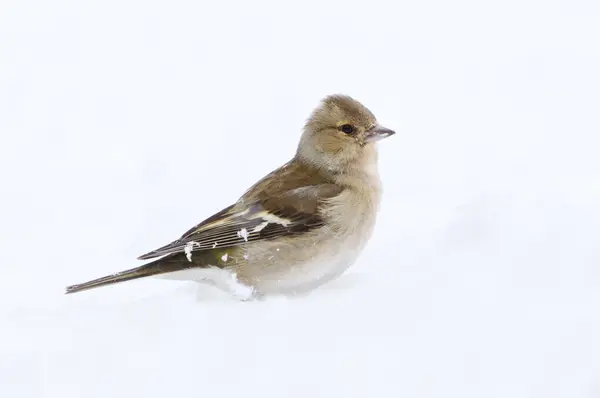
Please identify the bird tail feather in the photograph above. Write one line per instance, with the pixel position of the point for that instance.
(156, 267)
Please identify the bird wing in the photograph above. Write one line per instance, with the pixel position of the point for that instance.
(291, 212)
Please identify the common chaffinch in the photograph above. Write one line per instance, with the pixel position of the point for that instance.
(297, 228)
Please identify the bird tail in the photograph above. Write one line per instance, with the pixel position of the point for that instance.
(157, 267)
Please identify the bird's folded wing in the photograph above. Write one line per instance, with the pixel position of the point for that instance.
(292, 212)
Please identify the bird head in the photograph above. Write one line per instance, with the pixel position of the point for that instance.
(341, 133)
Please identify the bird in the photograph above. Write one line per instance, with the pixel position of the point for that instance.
(298, 228)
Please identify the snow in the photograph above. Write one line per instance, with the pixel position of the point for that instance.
(189, 247)
(243, 233)
(482, 278)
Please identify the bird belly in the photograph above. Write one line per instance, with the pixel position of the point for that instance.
(322, 257)
(223, 279)
(330, 257)
(306, 276)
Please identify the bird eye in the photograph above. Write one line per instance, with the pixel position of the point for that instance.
(347, 129)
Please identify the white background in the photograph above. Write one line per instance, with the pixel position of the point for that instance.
(123, 123)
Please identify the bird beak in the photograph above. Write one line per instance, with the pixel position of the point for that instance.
(377, 133)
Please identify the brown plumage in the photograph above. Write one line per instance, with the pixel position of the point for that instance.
(298, 227)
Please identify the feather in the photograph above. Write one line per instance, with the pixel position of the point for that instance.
(292, 212)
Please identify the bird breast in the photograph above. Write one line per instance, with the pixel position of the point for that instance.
(320, 256)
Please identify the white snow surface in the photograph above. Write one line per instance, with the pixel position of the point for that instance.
(124, 123)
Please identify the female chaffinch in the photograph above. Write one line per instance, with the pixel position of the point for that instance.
(299, 227)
